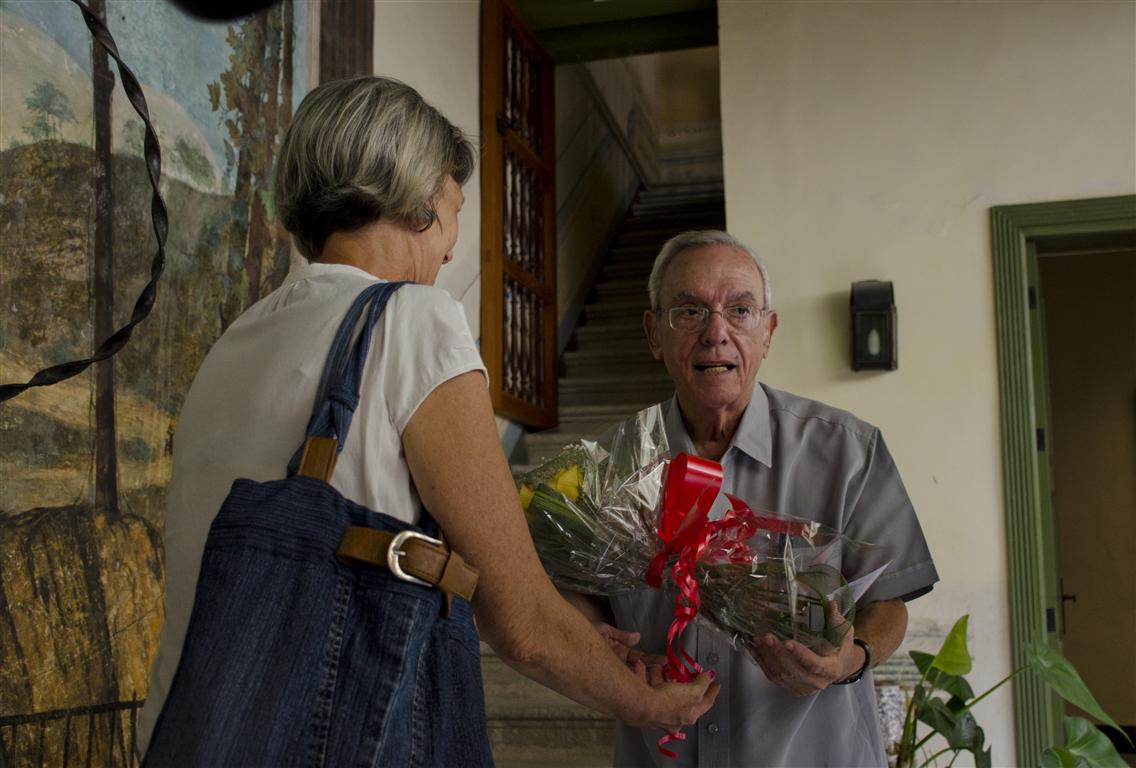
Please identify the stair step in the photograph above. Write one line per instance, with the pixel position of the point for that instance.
(574, 743)
(610, 332)
(601, 312)
(627, 270)
(637, 391)
(685, 219)
(622, 254)
(655, 236)
(511, 695)
(627, 340)
(670, 191)
(707, 207)
(529, 725)
(625, 288)
(611, 412)
(636, 362)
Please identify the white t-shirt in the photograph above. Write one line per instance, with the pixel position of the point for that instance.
(249, 405)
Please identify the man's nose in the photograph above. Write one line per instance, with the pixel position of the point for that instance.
(716, 330)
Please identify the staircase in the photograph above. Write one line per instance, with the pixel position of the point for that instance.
(607, 373)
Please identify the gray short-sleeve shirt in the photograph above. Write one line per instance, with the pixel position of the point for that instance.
(807, 459)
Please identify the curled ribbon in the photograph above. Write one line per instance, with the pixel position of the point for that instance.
(685, 529)
(689, 489)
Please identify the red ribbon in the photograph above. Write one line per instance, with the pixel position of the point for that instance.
(689, 489)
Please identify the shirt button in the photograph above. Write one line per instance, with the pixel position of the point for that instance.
(713, 729)
(711, 658)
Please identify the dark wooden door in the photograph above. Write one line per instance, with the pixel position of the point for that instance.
(518, 224)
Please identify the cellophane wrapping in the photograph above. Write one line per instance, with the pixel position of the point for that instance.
(594, 512)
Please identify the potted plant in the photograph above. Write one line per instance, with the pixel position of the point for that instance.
(942, 704)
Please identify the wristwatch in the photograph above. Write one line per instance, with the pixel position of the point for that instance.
(863, 668)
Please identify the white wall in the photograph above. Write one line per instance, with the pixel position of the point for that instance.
(869, 140)
(433, 47)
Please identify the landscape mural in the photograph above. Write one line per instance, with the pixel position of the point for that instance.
(84, 464)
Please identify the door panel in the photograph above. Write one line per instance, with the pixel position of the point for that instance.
(518, 232)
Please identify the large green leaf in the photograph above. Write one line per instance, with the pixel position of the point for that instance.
(960, 730)
(1086, 745)
(1058, 757)
(1059, 674)
(954, 657)
(955, 685)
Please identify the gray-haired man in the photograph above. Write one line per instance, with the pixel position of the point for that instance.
(711, 322)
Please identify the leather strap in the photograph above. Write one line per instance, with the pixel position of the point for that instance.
(435, 564)
(318, 457)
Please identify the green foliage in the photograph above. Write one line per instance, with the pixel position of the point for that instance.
(954, 657)
(134, 136)
(39, 129)
(950, 715)
(1085, 747)
(1059, 674)
(50, 109)
(193, 161)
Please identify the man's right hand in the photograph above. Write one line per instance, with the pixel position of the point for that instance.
(674, 705)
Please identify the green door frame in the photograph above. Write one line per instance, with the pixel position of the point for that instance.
(1034, 597)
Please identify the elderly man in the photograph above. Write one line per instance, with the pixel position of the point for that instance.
(711, 322)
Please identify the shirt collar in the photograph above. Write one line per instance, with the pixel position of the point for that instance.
(753, 436)
(312, 269)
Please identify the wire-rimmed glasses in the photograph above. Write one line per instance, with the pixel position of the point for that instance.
(692, 318)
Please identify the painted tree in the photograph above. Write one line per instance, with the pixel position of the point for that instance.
(106, 448)
(50, 109)
(255, 97)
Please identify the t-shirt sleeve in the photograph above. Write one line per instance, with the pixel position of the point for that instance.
(883, 515)
(426, 342)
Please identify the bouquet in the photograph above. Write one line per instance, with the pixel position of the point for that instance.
(616, 514)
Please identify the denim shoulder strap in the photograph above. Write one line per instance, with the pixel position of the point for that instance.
(338, 392)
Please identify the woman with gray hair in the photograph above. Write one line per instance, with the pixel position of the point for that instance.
(369, 184)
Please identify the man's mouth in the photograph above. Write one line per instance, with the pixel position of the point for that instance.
(714, 367)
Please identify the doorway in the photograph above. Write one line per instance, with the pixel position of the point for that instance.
(1022, 236)
(1089, 325)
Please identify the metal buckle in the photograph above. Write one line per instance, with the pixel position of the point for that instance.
(395, 552)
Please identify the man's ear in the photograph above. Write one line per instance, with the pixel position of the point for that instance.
(651, 329)
(770, 327)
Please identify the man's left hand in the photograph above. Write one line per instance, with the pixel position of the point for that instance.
(801, 671)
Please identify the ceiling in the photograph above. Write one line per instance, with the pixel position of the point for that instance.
(585, 30)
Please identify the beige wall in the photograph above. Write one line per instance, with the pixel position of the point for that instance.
(595, 182)
(869, 140)
(668, 106)
(433, 47)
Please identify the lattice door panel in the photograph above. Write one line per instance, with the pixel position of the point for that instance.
(518, 184)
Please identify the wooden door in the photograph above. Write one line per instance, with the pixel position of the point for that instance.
(518, 219)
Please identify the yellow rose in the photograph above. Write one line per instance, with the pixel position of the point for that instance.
(568, 481)
(526, 493)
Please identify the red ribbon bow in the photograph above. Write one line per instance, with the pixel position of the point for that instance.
(689, 489)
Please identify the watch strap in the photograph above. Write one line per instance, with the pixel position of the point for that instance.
(855, 678)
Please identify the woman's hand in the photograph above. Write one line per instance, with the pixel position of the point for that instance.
(674, 705)
(460, 472)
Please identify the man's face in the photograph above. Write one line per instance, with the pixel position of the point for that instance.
(713, 368)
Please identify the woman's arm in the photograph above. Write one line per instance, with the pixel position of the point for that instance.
(462, 477)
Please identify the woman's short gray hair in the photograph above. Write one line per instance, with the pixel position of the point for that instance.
(362, 149)
(700, 239)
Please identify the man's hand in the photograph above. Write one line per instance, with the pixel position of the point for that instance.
(799, 670)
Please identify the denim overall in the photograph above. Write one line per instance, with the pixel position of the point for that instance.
(294, 659)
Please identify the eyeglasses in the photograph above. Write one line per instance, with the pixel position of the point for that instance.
(694, 319)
